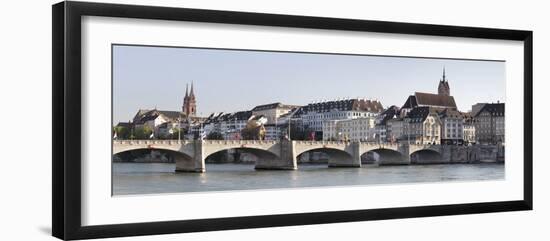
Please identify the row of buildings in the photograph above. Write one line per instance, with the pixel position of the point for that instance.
(424, 118)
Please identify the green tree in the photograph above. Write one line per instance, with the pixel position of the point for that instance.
(171, 134)
(214, 136)
(122, 132)
(253, 132)
(142, 132)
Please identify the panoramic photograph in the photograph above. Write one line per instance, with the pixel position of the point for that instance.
(209, 120)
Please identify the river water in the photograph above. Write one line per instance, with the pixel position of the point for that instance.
(150, 178)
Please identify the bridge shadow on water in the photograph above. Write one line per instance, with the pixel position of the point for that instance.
(321, 156)
(274, 156)
(383, 157)
(426, 156)
(239, 155)
(251, 156)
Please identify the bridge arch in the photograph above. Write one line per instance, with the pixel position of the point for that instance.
(174, 155)
(168, 145)
(426, 156)
(259, 153)
(268, 153)
(126, 149)
(384, 156)
(337, 157)
(150, 148)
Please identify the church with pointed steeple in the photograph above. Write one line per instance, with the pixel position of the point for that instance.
(189, 102)
(442, 100)
(443, 88)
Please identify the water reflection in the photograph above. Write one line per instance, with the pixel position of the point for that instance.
(146, 178)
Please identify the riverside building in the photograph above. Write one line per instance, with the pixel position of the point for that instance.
(315, 114)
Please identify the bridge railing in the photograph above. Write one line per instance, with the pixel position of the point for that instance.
(240, 141)
(177, 142)
(271, 142)
(370, 143)
(424, 145)
(322, 142)
(146, 142)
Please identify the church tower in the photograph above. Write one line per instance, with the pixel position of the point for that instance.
(189, 102)
(443, 88)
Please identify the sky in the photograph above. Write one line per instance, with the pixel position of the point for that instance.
(146, 77)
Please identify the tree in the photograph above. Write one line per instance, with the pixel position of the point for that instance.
(122, 132)
(251, 132)
(171, 134)
(142, 132)
(214, 136)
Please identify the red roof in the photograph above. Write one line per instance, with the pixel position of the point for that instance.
(427, 99)
(433, 100)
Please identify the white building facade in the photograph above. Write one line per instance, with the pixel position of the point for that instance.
(359, 129)
(423, 126)
(452, 127)
(273, 111)
(395, 130)
(314, 115)
(229, 125)
(469, 133)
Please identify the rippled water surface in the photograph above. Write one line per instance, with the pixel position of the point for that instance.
(147, 178)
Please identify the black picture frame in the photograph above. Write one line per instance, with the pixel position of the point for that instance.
(66, 75)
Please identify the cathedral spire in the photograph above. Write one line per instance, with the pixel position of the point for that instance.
(189, 107)
(443, 88)
(186, 90)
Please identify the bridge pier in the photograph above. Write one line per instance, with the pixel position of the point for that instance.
(337, 160)
(282, 155)
(285, 161)
(195, 163)
(402, 159)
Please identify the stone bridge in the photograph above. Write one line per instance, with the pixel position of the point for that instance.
(191, 155)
